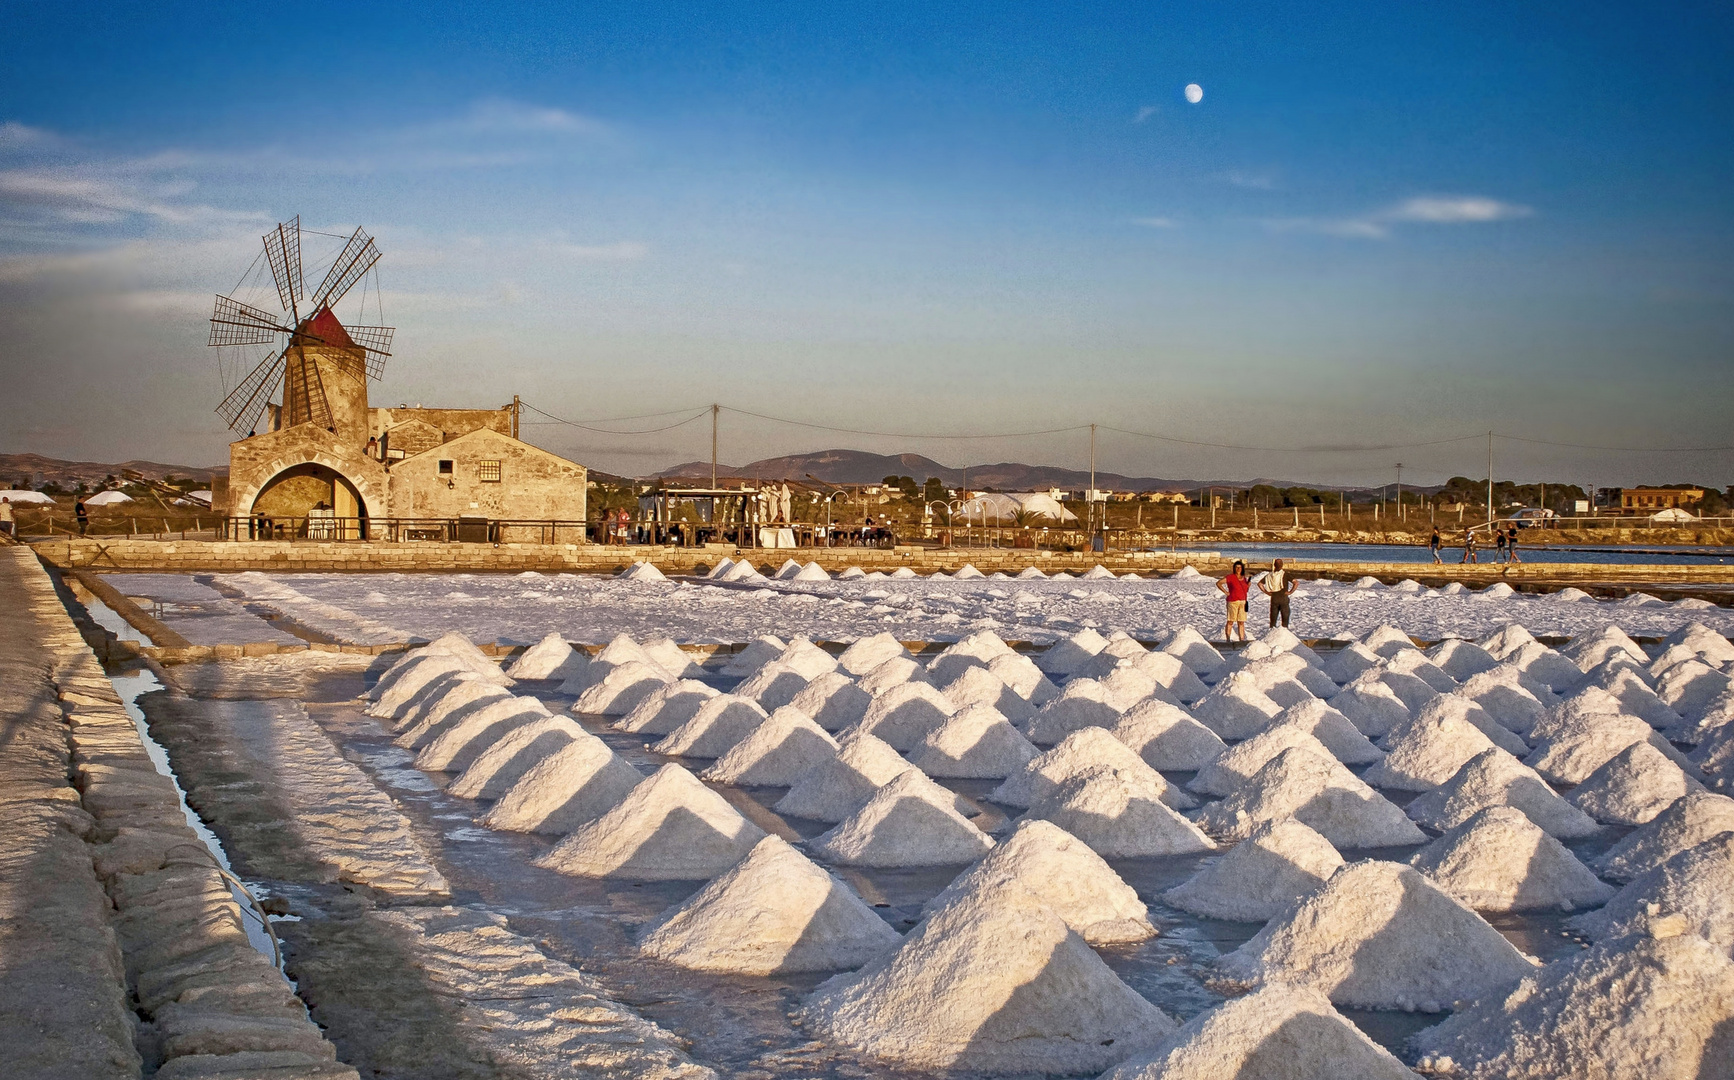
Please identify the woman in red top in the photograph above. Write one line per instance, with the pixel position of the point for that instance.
(1235, 586)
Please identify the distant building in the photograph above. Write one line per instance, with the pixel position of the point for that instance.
(1180, 497)
(1644, 500)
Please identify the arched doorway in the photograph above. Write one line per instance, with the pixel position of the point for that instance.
(311, 500)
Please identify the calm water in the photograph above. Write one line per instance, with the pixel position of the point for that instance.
(1405, 553)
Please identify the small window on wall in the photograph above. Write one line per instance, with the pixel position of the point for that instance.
(445, 468)
(489, 472)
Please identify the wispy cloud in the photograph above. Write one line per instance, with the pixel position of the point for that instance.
(1156, 222)
(1257, 181)
(80, 198)
(1145, 112)
(16, 136)
(1421, 210)
(502, 115)
(621, 251)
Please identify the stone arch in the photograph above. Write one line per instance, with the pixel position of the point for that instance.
(296, 487)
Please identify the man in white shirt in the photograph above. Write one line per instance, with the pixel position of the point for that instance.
(1278, 585)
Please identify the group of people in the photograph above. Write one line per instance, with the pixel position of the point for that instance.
(1504, 543)
(1277, 584)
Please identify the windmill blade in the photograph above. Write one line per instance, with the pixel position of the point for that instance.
(235, 323)
(356, 259)
(283, 252)
(241, 409)
(377, 341)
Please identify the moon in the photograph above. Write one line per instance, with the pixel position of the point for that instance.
(1194, 93)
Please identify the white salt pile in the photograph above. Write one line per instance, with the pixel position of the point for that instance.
(911, 821)
(716, 727)
(721, 568)
(776, 753)
(1499, 590)
(455, 644)
(742, 571)
(1120, 815)
(622, 689)
(1063, 873)
(774, 912)
(668, 828)
(449, 708)
(1317, 791)
(834, 789)
(503, 764)
(903, 572)
(977, 742)
(1386, 640)
(1066, 656)
(1585, 742)
(1167, 737)
(1350, 661)
(1713, 647)
(670, 657)
(905, 715)
(893, 673)
(1590, 650)
(1171, 675)
(1238, 708)
(1188, 573)
(414, 679)
(1370, 705)
(1629, 688)
(550, 658)
(998, 986)
(758, 652)
(1030, 573)
(1241, 762)
(1588, 701)
(1084, 703)
(1546, 667)
(1465, 709)
(1500, 691)
(979, 686)
(666, 708)
(1499, 861)
(1689, 688)
(775, 684)
(1280, 862)
(1077, 754)
(811, 572)
(787, 571)
(1021, 674)
(1412, 691)
(869, 652)
(1277, 1032)
(976, 650)
(852, 573)
(1461, 659)
(1282, 639)
(575, 784)
(1097, 573)
(1427, 751)
(1696, 884)
(1119, 648)
(1655, 1005)
(641, 571)
(1633, 787)
(617, 653)
(1378, 935)
(1191, 648)
(453, 749)
(1333, 729)
(1507, 640)
(1414, 662)
(1127, 686)
(1495, 778)
(1692, 820)
(833, 700)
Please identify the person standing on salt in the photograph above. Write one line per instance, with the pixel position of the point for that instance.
(1235, 586)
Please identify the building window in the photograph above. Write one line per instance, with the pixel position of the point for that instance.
(490, 472)
(445, 468)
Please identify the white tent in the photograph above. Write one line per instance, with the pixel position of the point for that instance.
(199, 496)
(1671, 516)
(17, 496)
(108, 498)
(995, 508)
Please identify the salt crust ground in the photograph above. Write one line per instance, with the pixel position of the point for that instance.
(1697, 883)
(1278, 1032)
(1495, 778)
(1167, 737)
(1378, 935)
(1317, 791)
(1499, 861)
(776, 753)
(1119, 814)
(502, 765)
(1078, 753)
(1002, 985)
(571, 786)
(668, 828)
(1259, 877)
(911, 821)
(773, 912)
(1065, 874)
(1690, 821)
(1656, 1005)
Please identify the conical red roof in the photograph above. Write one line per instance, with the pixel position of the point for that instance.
(323, 328)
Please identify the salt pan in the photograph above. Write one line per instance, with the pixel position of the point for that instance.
(911, 821)
(1167, 737)
(575, 784)
(977, 742)
(1633, 787)
(1499, 861)
(1317, 791)
(1495, 778)
(668, 828)
(1280, 862)
(716, 727)
(774, 754)
(1691, 820)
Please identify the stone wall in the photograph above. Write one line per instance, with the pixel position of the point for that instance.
(532, 484)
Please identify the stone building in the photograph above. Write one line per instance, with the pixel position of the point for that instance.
(330, 466)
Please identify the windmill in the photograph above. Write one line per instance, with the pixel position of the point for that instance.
(310, 352)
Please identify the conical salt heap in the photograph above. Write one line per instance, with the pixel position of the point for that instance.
(1499, 861)
(503, 764)
(904, 715)
(911, 821)
(620, 650)
(1696, 884)
(1629, 687)
(461, 647)
(1167, 737)
(1712, 646)
(1507, 640)
(776, 753)
(1633, 787)
(1026, 679)
(1587, 742)
(833, 700)
(834, 789)
(978, 743)
(1501, 692)
(1350, 662)
(1280, 672)
(1173, 676)
(1461, 659)
(979, 686)
(1378, 935)
(1119, 814)
(1495, 778)
(1370, 705)
(1689, 688)
(1083, 703)
(893, 673)
(1194, 651)
(460, 699)
(1426, 752)
(1572, 711)
(1414, 662)
(1077, 754)
(1464, 709)
(1589, 650)
(976, 650)
(550, 658)
(1277, 1032)
(1241, 762)
(413, 681)
(575, 784)
(670, 657)
(1259, 877)
(869, 652)
(774, 685)
(453, 749)
(759, 652)
(1065, 874)
(1413, 692)
(666, 708)
(714, 729)
(1655, 1005)
(1065, 656)
(1386, 640)
(415, 658)
(1317, 791)
(1692, 820)
(1030, 573)
(622, 689)
(1282, 639)
(1546, 666)
(1127, 686)
(668, 828)
(1323, 722)
(1238, 708)
(1120, 648)
(997, 986)
(774, 912)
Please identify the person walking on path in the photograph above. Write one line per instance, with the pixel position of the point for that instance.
(1499, 545)
(1435, 544)
(1279, 586)
(1469, 555)
(1511, 546)
(82, 515)
(1235, 586)
(6, 516)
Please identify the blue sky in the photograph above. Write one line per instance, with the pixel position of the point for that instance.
(1382, 224)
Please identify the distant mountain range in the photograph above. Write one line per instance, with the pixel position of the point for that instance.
(860, 467)
(34, 470)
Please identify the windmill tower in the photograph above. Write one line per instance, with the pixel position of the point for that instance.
(320, 366)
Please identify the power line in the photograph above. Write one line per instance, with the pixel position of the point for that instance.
(1623, 449)
(590, 425)
(904, 434)
(1292, 449)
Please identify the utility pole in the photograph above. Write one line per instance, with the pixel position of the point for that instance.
(714, 409)
(1399, 491)
(1490, 478)
(517, 415)
(1092, 495)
